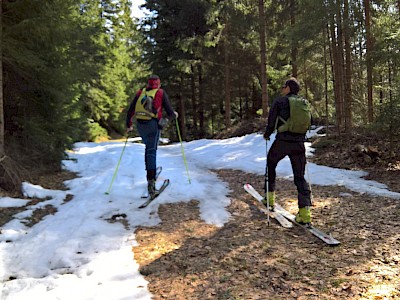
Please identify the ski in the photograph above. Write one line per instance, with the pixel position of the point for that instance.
(145, 193)
(277, 216)
(158, 192)
(328, 239)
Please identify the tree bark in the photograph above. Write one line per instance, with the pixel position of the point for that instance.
(348, 70)
(369, 59)
(391, 127)
(2, 150)
(227, 84)
(335, 69)
(293, 53)
(201, 102)
(182, 114)
(398, 7)
(326, 80)
(340, 61)
(194, 106)
(264, 87)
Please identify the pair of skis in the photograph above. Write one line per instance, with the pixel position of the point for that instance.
(149, 198)
(283, 217)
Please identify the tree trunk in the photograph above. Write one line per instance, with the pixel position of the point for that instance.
(398, 7)
(227, 84)
(194, 106)
(326, 80)
(391, 127)
(294, 44)
(335, 70)
(182, 114)
(240, 99)
(201, 102)
(1, 85)
(263, 56)
(340, 61)
(369, 59)
(348, 70)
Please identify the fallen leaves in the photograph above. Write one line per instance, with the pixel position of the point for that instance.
(184, 258)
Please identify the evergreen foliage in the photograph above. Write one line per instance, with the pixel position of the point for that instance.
(71, 67)
(41, 78)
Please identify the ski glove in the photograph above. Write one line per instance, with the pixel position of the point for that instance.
(162, 123)
(266, 136)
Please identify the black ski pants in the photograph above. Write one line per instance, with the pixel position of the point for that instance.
(297, 155)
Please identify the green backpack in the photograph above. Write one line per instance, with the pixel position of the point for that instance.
(300, 116)
(144, 109)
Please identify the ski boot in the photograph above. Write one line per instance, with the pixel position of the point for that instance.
(151, 188)
(271, 199)
(304, 216)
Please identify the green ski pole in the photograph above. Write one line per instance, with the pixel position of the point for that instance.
(116, 169)
(183, 152)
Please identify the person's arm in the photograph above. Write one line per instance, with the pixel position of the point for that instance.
(171, 113)
(131, 111)
(272, 116)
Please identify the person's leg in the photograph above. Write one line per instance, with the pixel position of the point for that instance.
(275, 154)
(150, 136)
(298, 161)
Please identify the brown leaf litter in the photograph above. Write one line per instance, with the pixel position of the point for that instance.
(185, 258)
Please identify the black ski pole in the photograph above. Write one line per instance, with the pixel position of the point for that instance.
(266, 180)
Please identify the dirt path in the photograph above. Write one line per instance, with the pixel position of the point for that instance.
(184, 258)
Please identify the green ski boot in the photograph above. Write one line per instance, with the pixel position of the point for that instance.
(271, 199)
(304, 216)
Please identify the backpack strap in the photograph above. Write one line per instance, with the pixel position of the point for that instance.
(143, 114)
(279, 118)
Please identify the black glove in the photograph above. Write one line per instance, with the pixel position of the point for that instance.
(266, 136)
(162, 123)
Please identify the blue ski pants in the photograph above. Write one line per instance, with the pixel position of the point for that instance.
(150, 134)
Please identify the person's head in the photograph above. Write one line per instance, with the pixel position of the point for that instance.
(154, 82)
(291, 86)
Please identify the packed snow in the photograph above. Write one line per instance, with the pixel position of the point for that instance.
(77, 253)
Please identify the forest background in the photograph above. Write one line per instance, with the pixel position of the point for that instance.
(71, 67)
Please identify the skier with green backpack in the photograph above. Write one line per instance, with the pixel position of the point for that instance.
(290, 116)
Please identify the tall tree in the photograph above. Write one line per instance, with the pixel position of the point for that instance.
(369, 45)
(1, 85)
(263, 56)
(294, 46)
(227, 76)
(347, 68)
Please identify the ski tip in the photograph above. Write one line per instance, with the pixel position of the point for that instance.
(333, 242)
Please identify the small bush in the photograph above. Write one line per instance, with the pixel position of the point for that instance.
(96, 133)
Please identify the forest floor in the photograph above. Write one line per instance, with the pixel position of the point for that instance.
(185, 258)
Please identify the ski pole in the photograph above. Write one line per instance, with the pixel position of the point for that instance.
(183, 152)
(266, 180)
(116, 169)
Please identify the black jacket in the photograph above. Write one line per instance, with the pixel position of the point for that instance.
(280, 107)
